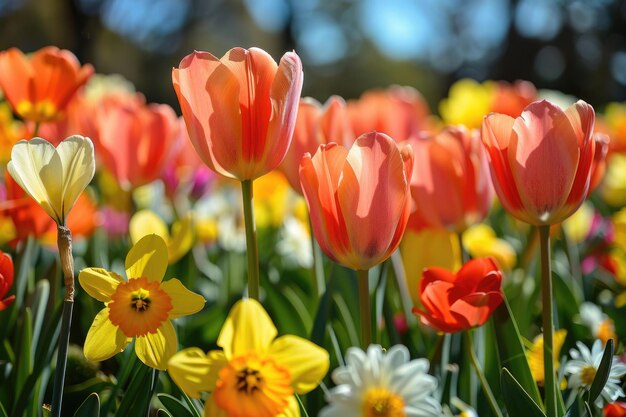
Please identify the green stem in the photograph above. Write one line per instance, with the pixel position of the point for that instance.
(364, 308)
(122, 378)
(491, 399)
(318, 266)
(251, 243)
(548, 327)
(36, 130)
(153, 386)
(59, 376)
(464, 255)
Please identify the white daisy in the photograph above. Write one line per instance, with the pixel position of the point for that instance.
(382, 384)
(294, 245)
(584, 365)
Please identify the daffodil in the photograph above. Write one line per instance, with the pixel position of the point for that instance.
(481, 241)
(255, 373)
(141, 307)
(535, 356)
(54, 177)
(179, 242)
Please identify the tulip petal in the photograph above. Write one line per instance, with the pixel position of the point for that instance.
(184, 302)
(16, 74)
(307, 363)
(6, 273)
(248, 328)
(582, 119)
(194, 371)
(147, 258)
(372, 196)
(156, 349)
(99, 283)
(104, 339)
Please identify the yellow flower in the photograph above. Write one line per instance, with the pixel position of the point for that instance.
(535, 356)
(613, 188)
(467, 103)
(271, 193)
(146, 222)
(141, 307)
(426, 248)
(53, 177)
(578, 225)
(481, 241)
(255, 373)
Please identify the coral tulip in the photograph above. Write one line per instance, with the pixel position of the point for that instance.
(541, 161)
(456, 302)
(40, 87)
(359, 200)
(6, 280)
(316, 125)
(450, 184)
(240, 110)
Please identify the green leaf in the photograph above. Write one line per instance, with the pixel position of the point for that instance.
(3, 412)
(174, 406)
(138, 394)
(90, 407)
(24, 358)
(511, 349)
(40, 302)
(577, 409)
(517, 401)
(323, 314)
(602, 374)
(163, 413)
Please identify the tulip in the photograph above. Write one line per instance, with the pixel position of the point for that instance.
(616, 409)
(541, 161)
(598, 166)
(450, 183)
(40, 87)
(461, 301)
(359, 200)
(240, 110)
(6, 280)
(316, 125)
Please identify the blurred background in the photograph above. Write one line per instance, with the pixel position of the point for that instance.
(347, 46)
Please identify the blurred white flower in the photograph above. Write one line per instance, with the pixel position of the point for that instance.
(379, 383)
(294, 245)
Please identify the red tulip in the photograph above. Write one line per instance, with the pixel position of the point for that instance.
(616, 409)
(598, 166)
(541, 161)
(40, 86)
(511, 99)
(6, 280)
(359, 200)
(316, 125)
(450, 185)
(456, 302)
(240, 110)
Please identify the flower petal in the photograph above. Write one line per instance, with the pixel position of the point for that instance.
(307, 363)
(211, 409)
(147, 258)
(184, 302)
(99, 283)
(104, 339)
(194, 371)
(248, 328)
(182, 238)
(79, 166)
(156, 349)
(146, 222)
(293, 409)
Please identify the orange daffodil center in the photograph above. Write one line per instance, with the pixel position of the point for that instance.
(141, 307)
(380, 402)
(256, 373)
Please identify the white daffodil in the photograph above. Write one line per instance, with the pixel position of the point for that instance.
(583, 366)
(382, 384)
(54, 177)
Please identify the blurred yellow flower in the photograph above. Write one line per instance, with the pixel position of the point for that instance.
(535, 356)
(613, 188)
(179, 242)
(578, 225)
(467, 103)
(481, 241)
(255, 373)
(139, 307)
(271, 197)
(10, 132)
(426, 248)
(54, 177)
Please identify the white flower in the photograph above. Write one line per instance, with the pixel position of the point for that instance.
(379, 384)
(294, 245)
(584, 365)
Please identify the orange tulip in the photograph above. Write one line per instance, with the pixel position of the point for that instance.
(400, 112)
(450, 185)
(132, 139)
(39, 87)
(359, 200)
(240, 110)
(598, 166)
(316, 125)
(541, 161)
(616, 409)
(511, 99)
(456, 302)
(6, 280)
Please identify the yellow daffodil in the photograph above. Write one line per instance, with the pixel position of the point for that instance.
(255, 373)
(613, 188)
(467, 103)
(54, 177)
(179, 242)
(481, 241)
(535, 356)
(426, 248)
(139, 307)
(578, 225)
(271, 193)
